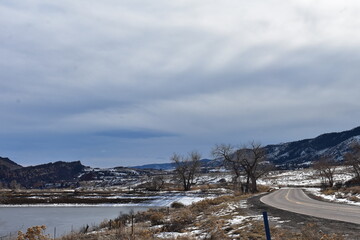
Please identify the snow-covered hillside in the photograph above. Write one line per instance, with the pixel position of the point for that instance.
(294, 154)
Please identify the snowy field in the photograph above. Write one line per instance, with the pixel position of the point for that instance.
(302, 178)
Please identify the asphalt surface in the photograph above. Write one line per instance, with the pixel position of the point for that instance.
(295, 200)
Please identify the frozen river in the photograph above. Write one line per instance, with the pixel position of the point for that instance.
(64, 219)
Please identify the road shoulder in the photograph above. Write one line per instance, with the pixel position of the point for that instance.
(295, 221)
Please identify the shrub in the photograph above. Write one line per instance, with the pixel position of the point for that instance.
(312, 232)
(33, 233)
(338, 185)
(355, 190)
(354, 199)
(329, 191)
(157, 218)
(180, 220)
(204, 205)
(214, 229)
(177, 205)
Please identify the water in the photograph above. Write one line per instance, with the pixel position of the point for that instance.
(64, 219)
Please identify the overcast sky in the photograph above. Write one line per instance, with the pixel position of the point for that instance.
(121, 83)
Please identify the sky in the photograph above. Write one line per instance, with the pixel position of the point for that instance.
(130, 82)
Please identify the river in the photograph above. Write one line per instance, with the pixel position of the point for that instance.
(59, 220)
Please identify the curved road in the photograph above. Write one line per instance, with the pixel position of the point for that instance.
(295, 200)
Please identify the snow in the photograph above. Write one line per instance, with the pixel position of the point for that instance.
(243, 204)
(167, 200)
(238, 220)
(171, 235)
(302, 178)
(163, 200)
(214, 178)
(334, 197)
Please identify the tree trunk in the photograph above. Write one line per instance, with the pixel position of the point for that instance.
(238, 185)
(253, 185)
(247, 184)
(331, 181)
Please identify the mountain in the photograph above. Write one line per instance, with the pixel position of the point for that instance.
(7, 164)
(170, 166)
(293, 154)
(63, 174)
(40, 175)
(159, 166)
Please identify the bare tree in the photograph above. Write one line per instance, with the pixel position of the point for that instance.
(253, 160)
(325, 167)
(226, 153)
(353, 159)
(155, 183)
(186, 168)
(249, 160)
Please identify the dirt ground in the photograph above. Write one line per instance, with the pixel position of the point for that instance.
(295, 221)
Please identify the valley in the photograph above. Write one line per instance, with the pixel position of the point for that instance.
(214, 199)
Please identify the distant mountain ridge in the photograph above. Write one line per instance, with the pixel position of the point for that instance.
(169, 166)
(285, 155)
(299, 153)
(6, 163)
(295, 153)
(40, 175)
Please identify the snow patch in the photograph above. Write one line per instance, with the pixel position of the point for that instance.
(171, 235)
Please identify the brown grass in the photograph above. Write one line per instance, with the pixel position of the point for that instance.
(203, 215)
(329, 191)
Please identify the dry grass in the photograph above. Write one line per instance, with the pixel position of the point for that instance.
(211, 218)
(354, 199)
(309, 232)
(351, 193)
(352, 190)
(329, 191)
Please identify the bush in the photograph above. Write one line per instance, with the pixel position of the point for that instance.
(355, 190)
(312, 232)
(329, 191)
(180, 220)
(354, 199)
(214, 229)
(177, 205)
(33, 233)
(338, 185)
(205, 204)
(157, 218)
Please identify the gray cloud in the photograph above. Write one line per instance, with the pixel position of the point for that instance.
(172, 76)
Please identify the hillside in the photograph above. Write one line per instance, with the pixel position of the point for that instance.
(7, 164)
(298, 153)
(292, 154)
(40, 175)
(64, 174)
(169, 166)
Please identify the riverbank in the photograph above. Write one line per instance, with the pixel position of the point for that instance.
(226, 217)
(111, 197)
(71, 217)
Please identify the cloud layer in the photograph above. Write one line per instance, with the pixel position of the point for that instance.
(129, 82)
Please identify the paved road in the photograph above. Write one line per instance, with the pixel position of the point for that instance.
(295, 200)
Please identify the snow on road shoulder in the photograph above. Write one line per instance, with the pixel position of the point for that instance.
(337, 197)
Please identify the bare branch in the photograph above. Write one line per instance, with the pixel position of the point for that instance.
(186, 168)
(325, 168)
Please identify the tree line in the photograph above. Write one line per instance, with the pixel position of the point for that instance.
(248, 163)
(326, 166)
